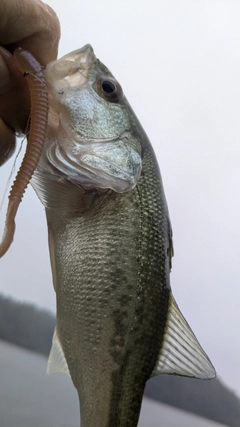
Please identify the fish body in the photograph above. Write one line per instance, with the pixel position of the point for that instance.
(110, 243)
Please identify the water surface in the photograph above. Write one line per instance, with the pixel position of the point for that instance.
(30, 398)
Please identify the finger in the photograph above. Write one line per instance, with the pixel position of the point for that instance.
(31, 24)
(5, 78)
(14, 93)
(7, 142)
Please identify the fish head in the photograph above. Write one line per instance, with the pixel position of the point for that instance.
(94, 140)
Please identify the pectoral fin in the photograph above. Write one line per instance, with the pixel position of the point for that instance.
(56, 361)
(181, 353)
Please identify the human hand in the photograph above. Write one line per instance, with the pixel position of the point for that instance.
(34, 26)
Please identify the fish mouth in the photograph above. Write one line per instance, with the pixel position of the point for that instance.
(82, 58)
(71, 70)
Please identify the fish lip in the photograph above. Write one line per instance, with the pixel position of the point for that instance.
(57, 73)
(83, 57)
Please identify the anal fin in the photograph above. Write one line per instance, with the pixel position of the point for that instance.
(181, 353)
(56, 361)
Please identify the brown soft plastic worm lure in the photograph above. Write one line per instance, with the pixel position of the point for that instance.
(30, 68)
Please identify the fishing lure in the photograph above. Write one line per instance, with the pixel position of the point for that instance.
(31, 69)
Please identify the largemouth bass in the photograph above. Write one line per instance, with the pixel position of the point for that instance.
(110, 243)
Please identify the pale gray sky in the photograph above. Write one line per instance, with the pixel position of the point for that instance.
(179, 65)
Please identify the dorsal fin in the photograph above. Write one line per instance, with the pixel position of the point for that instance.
(56, 361)
(181, 353)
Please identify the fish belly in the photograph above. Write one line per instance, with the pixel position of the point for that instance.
(112, 303)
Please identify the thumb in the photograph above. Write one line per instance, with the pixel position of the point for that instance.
(7, 136)
(14, 93)
(5, 79)
(7, 142)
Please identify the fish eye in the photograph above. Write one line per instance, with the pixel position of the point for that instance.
(108, 89)
(108, 86)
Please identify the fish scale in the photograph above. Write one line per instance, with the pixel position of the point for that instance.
(110, 244)
(93, 257)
